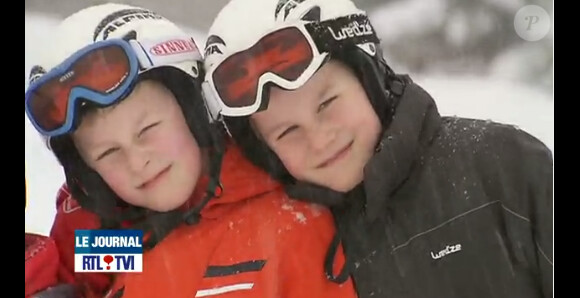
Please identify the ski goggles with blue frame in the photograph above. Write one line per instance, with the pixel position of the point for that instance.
(101, 73)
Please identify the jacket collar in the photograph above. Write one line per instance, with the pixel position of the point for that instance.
(240, 180)
(414, 125)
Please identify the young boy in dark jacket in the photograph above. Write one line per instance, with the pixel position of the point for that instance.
(425, 205)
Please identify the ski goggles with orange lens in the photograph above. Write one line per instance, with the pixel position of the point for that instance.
(287, 57)
(101, 73)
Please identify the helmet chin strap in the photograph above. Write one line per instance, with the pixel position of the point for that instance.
(159, 225)
(214, 187)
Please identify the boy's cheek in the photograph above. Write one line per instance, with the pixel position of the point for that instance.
(175, 145)
(294, 162)
(116, 180)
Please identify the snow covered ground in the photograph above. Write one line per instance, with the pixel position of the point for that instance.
(491, 98)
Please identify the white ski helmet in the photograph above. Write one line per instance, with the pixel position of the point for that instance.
(338, 29)
(241, 23)
(107, 21)
(111, 20)
(183, 76)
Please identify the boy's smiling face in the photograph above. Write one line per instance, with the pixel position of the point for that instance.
(142, 148)
(325, 131)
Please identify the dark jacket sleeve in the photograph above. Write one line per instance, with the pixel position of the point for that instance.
(541, 199)
(527, 165)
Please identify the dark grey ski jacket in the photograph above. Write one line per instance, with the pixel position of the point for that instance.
(449, 208)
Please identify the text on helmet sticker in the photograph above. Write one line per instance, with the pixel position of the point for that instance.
(119, 18)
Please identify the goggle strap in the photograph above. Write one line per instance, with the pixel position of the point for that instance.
(142, 56)
(335, 34)
(212, 104)
(145, 50)
(35, 73)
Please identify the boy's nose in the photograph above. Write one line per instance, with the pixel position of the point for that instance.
(321, 137)
(138, 159)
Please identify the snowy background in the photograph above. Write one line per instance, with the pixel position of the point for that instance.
(462, 54)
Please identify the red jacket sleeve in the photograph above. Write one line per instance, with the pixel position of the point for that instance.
(40, 263)
(70, 217)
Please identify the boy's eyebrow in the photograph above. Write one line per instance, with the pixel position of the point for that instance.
(143, 115)
(269, 130)
(324, 89)
(93, 147)
(276, 127)
(98, 144)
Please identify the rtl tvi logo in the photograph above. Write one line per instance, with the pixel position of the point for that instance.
(108, 251)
